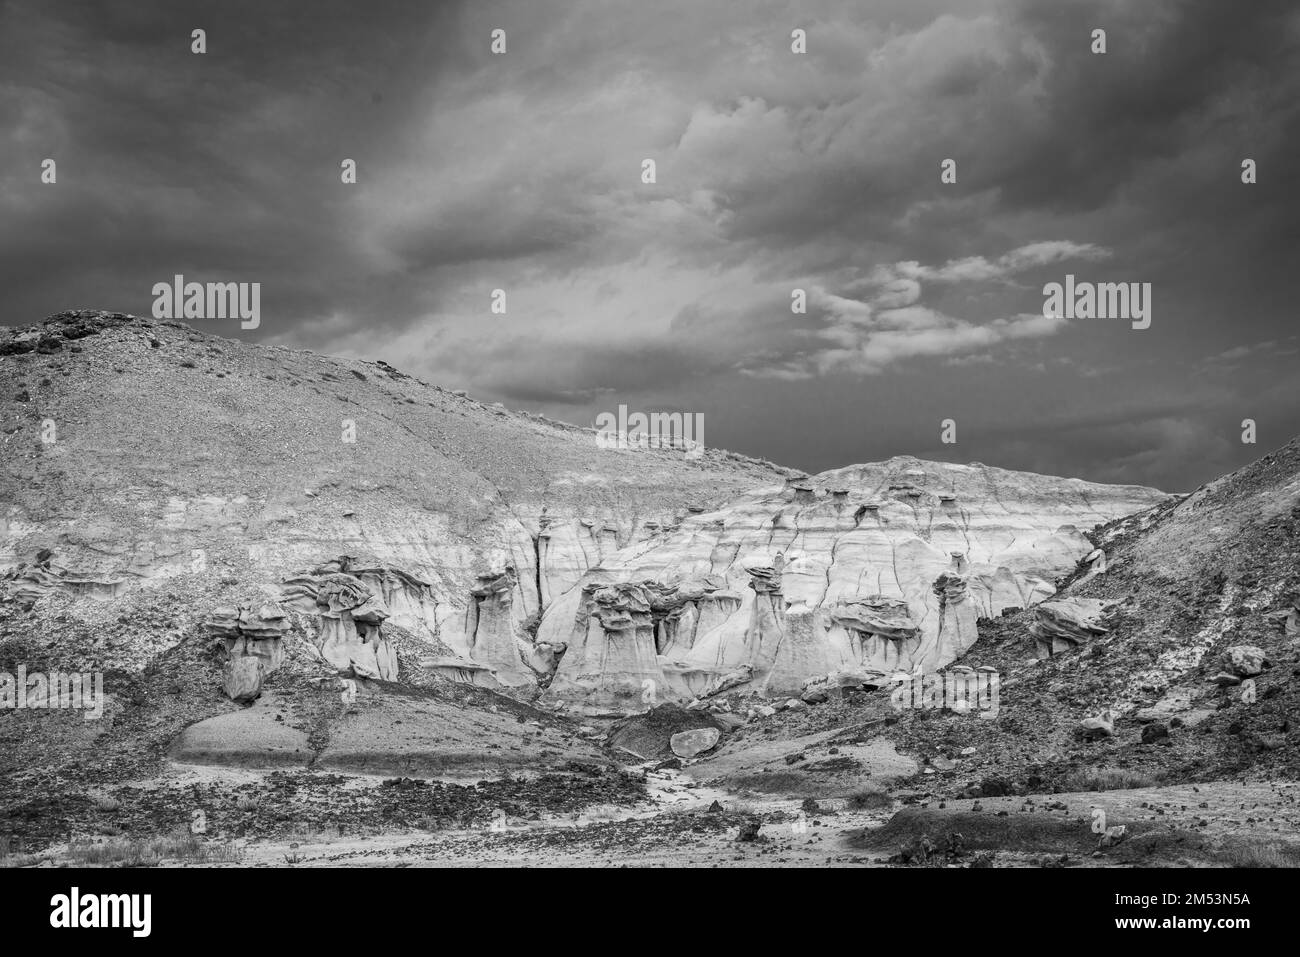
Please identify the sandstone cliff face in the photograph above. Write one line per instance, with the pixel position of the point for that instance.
(174, 453)
(878, 567)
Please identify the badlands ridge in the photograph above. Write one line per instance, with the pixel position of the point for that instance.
(352, 504)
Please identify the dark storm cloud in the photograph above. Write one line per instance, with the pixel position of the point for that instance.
(775, 172)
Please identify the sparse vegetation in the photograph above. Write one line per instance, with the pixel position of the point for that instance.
(105, 802)
(868, 798)
(1253, 853)
(179, 847)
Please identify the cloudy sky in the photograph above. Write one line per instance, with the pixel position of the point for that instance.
(775, 171)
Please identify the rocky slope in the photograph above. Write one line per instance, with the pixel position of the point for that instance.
(142, 455)
(1176, 663)
(872, 568)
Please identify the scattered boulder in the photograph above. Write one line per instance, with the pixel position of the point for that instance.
(732, 679)
(688, 744)
(242, 679)
(1245, 661)
(1100, 726)
(1066, 623)
(248, 635)
(651, 734)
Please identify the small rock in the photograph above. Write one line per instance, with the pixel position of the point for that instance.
(1155, 731)
(1113, 836)
(748, 830)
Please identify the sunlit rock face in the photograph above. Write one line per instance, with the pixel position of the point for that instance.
(186, 464)
(349, 616)
(881, 567)
(491, 630)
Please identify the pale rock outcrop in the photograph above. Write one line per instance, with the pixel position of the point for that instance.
(1094, 563)
(654, 628)
(800, 653)
(35, 579)
(874, 631)
(1098, 726)
(1062, 625)
(254, 645)
(349, 620)
(1245, 661)
(767, 625)
(957, 631)
(835, 682)
(862, 571)
(688, 744)
(248, 632)
(490, 628)
(732, 679)
(612, 653)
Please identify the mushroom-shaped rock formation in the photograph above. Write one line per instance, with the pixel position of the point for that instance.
(612, 654)
(1066, 623)
(350, 617)
(879, 631)
(247, 634)
(1016, 532)
(957, 630)
(489, 627)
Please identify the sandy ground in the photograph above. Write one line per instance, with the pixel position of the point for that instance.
(679, 830)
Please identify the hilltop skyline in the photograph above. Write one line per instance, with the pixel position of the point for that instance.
(775, 171)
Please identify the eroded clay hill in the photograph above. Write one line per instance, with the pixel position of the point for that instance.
(1174, 657)
(871, 569)
(148, 457)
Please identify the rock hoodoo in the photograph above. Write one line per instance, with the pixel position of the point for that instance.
(349, 617)
(1063, 625)
(254, 646)
(490, 629)
(870, 577)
